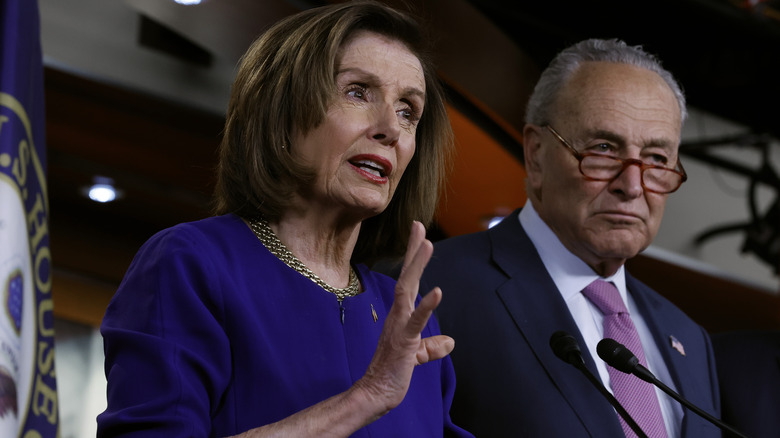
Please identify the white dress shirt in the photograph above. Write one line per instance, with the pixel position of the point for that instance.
(571, 275)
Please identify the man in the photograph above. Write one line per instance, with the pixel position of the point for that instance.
(601, 153)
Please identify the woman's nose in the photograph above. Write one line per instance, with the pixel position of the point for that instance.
(386, 126)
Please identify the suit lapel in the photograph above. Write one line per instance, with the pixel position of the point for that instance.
(667, 332)
(529, 294)
(664, 330)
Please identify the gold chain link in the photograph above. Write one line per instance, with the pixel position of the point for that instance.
(268, 238)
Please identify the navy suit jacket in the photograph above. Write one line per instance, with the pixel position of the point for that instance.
(501, 306)
(749, 375)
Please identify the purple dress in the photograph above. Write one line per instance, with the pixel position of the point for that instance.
(211, 335)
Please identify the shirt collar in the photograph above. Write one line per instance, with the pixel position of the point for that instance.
(568, 271)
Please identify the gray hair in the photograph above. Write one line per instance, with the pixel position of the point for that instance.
(569, 60)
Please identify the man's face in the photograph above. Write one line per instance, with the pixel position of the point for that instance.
(618, 110)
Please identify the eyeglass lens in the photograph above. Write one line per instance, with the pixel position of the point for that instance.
(606, 168)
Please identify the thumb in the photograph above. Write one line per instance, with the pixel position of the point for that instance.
(434, 347)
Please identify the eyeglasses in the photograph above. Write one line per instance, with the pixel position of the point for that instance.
(599, 167)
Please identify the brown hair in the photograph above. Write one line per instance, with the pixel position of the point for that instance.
(285, 84)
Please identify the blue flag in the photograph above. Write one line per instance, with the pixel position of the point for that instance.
(28, 389)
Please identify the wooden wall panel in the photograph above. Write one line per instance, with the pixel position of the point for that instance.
(161, 154)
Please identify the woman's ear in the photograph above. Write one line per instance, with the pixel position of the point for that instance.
(532, 153)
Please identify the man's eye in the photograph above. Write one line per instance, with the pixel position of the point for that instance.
(601, 148)
(658, 159)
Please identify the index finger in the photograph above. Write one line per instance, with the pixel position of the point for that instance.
(417, 256)
(416, 237)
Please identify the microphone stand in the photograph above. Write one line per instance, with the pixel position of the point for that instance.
(702, 413)
(618, 356)
(565, 347)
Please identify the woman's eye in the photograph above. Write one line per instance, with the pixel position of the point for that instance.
(357, 91)
(408, 114)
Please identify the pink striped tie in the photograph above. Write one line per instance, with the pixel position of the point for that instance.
(637, 396)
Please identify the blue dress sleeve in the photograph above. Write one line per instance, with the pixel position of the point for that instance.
(167, 356)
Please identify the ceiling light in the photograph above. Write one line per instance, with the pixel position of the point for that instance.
(189, 2)
(102, 193)
(102, 190)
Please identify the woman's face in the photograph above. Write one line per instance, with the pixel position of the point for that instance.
(367, 138)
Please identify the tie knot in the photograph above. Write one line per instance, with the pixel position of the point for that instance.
(606, 297)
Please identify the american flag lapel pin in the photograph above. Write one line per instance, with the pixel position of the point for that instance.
(677, 345)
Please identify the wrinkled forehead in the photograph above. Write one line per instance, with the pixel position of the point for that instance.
(618, 88)
(386, 61)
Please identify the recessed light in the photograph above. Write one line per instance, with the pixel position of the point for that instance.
(102, 190)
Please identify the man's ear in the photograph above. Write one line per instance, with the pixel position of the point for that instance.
(532, 153)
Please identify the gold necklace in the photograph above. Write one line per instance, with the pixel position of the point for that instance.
(269, 239)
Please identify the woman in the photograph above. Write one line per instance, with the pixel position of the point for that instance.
(260, 322)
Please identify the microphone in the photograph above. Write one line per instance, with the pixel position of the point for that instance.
(565, 346)
(622, 359)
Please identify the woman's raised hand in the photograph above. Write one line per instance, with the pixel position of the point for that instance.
(401, 346)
